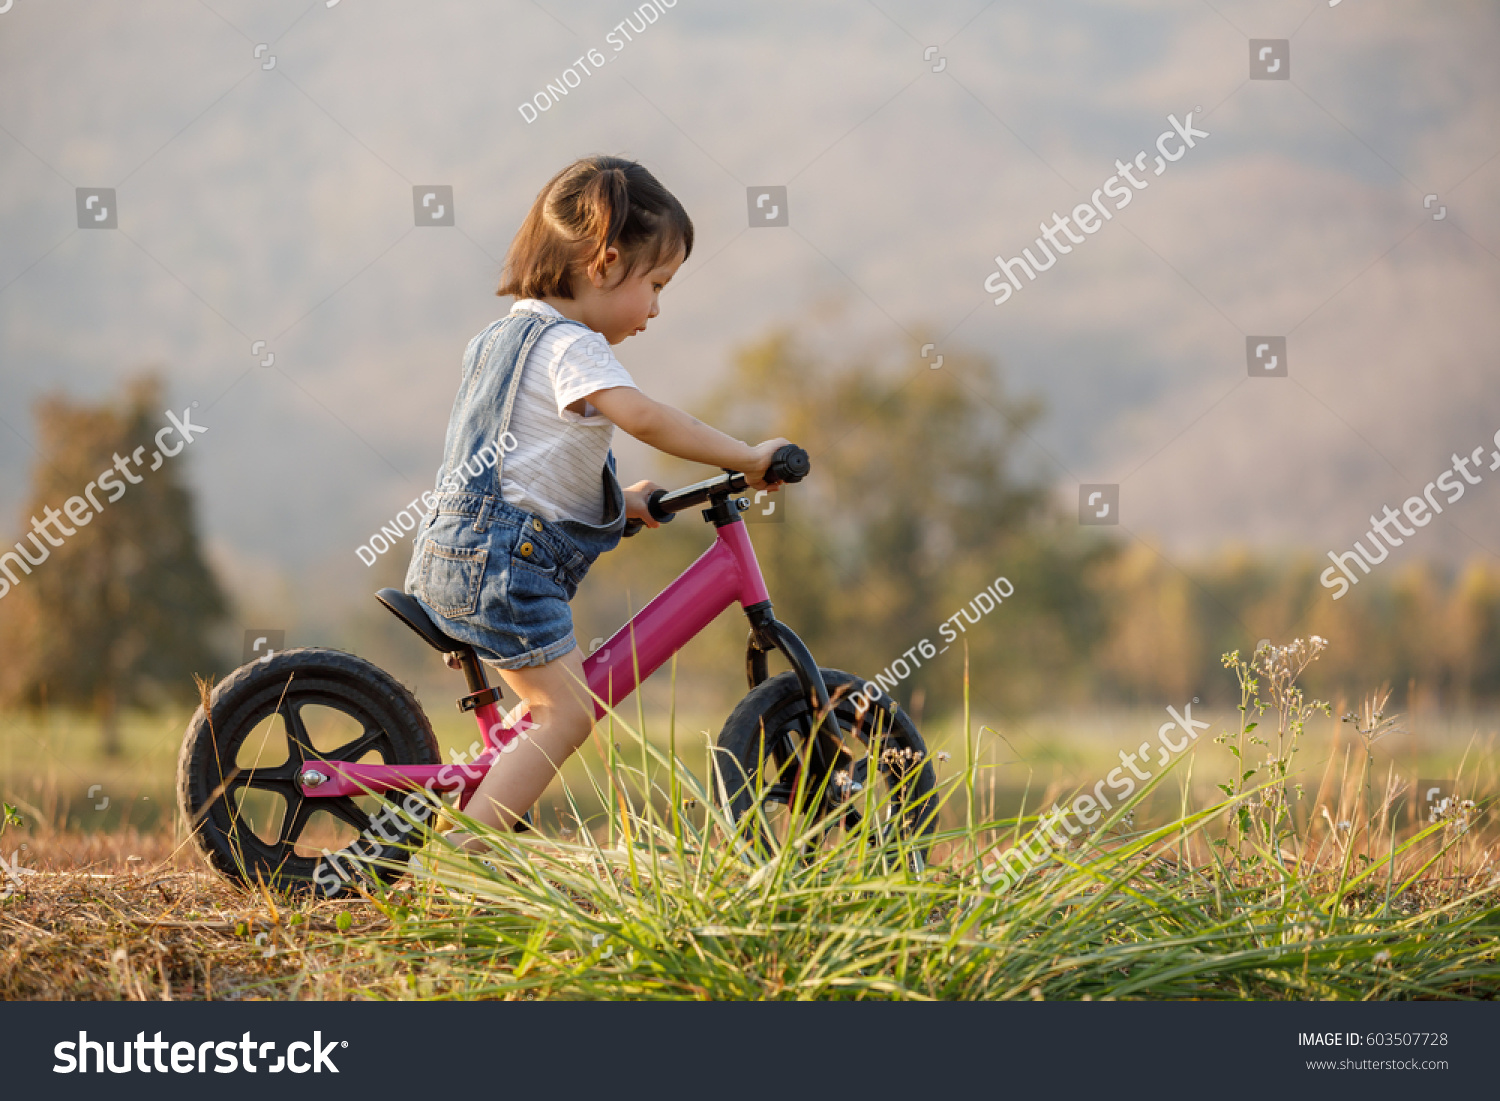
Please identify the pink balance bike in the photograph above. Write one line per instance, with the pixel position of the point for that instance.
(293, 774)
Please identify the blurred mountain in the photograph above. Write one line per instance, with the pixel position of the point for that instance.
(263, 158)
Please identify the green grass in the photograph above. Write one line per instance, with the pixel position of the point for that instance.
(49, 761)
(659, 896)
(1303, 877)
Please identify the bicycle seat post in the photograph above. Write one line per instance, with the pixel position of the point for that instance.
(480, 692)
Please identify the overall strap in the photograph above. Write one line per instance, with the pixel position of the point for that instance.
(515, 379)
(472, 362)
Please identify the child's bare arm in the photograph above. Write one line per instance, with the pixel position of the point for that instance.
(675, 432)
(671, 430)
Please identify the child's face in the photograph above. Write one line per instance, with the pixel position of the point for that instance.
(621, 309)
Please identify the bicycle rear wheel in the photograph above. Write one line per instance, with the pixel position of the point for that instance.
(237, 773)
(762, 761)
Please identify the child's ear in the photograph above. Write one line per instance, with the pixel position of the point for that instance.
(599, 276)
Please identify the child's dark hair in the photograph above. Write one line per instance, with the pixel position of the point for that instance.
(584, 209)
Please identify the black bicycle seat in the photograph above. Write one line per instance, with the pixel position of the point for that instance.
(411, 613)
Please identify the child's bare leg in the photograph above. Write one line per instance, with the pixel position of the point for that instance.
(563, 713)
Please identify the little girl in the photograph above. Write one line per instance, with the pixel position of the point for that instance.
(497, 560)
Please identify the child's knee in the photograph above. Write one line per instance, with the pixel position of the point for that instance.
(566, 727)
(578, 730)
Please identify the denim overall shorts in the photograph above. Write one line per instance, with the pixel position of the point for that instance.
(491, 574)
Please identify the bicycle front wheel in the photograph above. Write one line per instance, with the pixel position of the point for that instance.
(762, 762)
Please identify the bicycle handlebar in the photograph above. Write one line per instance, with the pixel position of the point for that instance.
(789, 464)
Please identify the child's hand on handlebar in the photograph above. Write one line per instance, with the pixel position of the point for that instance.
(636, 497)
(755, 471)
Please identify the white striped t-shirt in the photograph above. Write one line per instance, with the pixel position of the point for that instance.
(556, 468)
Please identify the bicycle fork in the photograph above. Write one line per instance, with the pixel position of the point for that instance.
(826, 755)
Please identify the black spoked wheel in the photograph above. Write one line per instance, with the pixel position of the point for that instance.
(763, 762)
(237, 775)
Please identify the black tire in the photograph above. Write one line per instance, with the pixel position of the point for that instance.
(773, 723)
(214, 776)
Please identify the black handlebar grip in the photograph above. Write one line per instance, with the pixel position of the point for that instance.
(653, 505)
(789, 464)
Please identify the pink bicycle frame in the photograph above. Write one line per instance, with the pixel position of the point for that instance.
(725, 573)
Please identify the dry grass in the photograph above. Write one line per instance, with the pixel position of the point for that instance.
(136, 917)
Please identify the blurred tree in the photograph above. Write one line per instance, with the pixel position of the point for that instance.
(1471, 632)
(921, 495)
(1153, 648)
(119, 613)
(918, 500)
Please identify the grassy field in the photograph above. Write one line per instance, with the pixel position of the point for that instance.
(1310, 873)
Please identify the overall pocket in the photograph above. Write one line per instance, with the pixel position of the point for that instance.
(451, 578)
(535, 597)
(532, 552)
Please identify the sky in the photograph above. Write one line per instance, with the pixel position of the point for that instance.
(263, 158)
